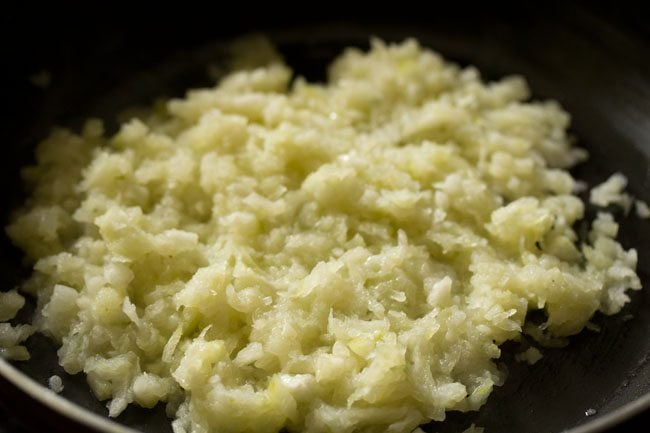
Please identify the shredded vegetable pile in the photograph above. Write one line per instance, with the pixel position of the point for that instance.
(346, 257)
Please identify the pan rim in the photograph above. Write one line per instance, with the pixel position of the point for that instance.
(59, 404)
(103, 424)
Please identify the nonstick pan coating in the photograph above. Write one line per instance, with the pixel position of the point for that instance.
(595, 63)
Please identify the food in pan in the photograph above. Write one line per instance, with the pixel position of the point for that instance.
(344, 256)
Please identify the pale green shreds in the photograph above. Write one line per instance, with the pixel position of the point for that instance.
(339, 257)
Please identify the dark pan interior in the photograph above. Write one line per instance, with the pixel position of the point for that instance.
(595, 63)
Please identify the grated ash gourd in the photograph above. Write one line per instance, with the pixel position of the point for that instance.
(341, 257)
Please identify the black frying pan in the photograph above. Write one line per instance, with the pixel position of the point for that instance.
(596, 62)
